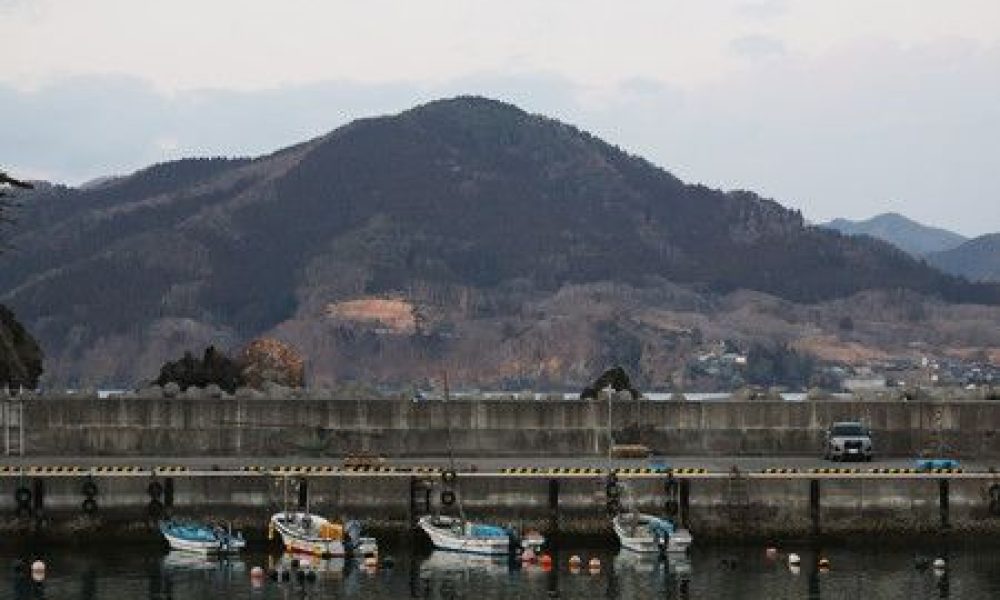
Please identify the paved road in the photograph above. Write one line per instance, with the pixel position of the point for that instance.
(712, 463)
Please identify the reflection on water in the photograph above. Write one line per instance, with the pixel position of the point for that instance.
(178, 560)
(710, 572)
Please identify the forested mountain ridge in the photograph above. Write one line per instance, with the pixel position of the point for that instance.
(468, 210)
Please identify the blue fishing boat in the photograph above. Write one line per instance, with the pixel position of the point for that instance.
(203, 538)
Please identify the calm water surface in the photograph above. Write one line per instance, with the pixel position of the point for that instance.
(710, 572)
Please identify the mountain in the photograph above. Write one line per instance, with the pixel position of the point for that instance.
(908, 235)
(976, 260)
(450, 235)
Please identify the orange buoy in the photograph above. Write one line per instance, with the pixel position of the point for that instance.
(256, 577)
(546, 562)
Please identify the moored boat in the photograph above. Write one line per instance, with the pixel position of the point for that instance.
(192, 536)
(644, 533)
(458, 535)
(312, 534)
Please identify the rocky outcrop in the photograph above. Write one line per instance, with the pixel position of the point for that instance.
(20, 356)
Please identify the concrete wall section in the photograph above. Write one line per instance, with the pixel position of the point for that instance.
(230, 426)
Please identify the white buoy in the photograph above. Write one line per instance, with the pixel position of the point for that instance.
(38, 570)
(575, 561)
(938, 563)
(594, 565)
(371, 562)
(256, 577)
(793, 559)
(795, 569)
(824, 564)
(771, 552)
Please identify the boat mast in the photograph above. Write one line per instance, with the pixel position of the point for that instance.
(451, 453)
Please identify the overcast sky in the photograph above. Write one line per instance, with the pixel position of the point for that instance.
(836, 107)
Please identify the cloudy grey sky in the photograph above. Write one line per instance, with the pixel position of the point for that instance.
(836, 107)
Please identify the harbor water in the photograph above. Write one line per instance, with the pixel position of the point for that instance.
(412, 570)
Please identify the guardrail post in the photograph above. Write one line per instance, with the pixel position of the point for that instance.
(943, 502)
(814, 505)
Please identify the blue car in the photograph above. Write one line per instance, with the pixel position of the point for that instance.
(928, 464)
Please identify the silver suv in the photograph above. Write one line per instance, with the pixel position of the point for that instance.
(848, 440)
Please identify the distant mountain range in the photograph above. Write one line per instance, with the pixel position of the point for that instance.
(450, 234)
(975, 259)
(908, 235)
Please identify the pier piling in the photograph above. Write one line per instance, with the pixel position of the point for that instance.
(553, 505)
(685, 501)
(168, 492)
(303, 492)
(814, 505)
(38, 496)
(943, 493)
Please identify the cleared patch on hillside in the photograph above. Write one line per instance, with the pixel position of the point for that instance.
(392, 315)
(830, 348)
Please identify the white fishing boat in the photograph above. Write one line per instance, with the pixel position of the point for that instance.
(201, 538)
(643, 533)
(307, 533)
(457, 535)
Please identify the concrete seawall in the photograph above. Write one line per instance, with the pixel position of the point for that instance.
(711, 504)
(70, 426)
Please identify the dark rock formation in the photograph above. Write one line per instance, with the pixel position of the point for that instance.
(20, 356)
(213, 368)
(617, 378)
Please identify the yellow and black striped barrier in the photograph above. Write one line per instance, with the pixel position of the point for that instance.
(689, 471)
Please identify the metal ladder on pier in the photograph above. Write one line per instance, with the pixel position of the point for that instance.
(12, 412)
(737, 496)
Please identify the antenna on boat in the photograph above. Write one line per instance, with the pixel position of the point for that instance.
(451, 453)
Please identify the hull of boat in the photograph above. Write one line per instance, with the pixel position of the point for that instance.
(203, 546)
(646, 543)
(199, 547)
(295, 540)
(446, 539)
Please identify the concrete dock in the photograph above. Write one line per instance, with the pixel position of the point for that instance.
(772, 502)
